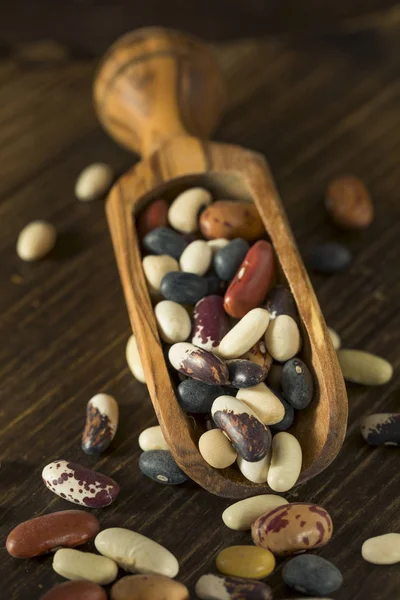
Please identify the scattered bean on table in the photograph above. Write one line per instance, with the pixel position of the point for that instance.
(36, 240)
(101, 423)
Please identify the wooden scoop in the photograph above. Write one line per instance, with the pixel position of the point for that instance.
(160, 93)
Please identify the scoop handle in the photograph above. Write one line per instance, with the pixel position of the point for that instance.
(154, 84)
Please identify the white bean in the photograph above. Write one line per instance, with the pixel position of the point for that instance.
(36, 240)
(173, 321)
(133, 359)
(74, 564)
(196, 258)
(244, 334)
(93, 182)
(286, 462)
(282, 338)
(152, 438)
(184, 210)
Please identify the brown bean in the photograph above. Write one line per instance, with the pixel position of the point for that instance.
(230, 220)
(76, 590)
(349, 203)
(148, 587)
(66, 528)
(152, 216)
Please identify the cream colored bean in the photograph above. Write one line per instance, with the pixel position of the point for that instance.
(152, 438)
(93, 182)
(257, 472)
(173, 322)
(196, 258)
(133, 359)
(74, 564)
(217, 244)
(216, 449)
(286, 462)
(184, 210)
(335, 338)
(382, 550)
(136, 553)
(282, 338)
(155, 267)
(365, 368)
(268, 408)
(244, 334)
(241, 515)
(36, 240)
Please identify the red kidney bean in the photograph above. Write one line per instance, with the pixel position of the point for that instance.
(152, 216)
(252, 281)
(63, 529)
(210, 322)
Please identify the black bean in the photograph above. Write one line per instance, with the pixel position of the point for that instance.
(228, 259)
(215, 285)
(160, 466)
(312, 575)
(164, 240)
(281, 302)
(297, 383)
(197, 397)
(245, 373)
(184, 288)
(330, 258)
(288, 419)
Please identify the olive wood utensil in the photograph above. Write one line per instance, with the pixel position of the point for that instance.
(160, 93)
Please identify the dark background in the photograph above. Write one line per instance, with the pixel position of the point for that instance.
(320, 100)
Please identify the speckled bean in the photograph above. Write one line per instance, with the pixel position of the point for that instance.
(65, 528)
(136, 553)
(381, 429)
(184, 210)
(293, 528)
(244, 334)
(210, 323)
(240, 515)
(282, 338)
(173, 321)
(73, 564)
(80, 485)
(198, 364)
(245, 373)
(249, 436)
(222, 587)
(230, 219)
(101, 424)
(286, 461)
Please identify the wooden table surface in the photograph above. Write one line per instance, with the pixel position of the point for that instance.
(316, 108)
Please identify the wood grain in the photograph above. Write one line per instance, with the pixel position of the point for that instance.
(316, 108)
